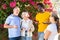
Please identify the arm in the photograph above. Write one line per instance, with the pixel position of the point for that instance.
(47, 34)
(32, 26)
(36, 19)
(8, 26)
(7, 22)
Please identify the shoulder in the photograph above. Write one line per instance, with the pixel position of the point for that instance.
(19, 18)
(37, 14)
(30, 21)
(48, 13)
(9, 17)
(51, 26)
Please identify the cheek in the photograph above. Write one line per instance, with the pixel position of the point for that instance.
(17, 11)
(51, 19)
(23, 16)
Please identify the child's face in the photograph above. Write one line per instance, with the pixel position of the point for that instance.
(16, 11)
(25, 16)
(51, 19)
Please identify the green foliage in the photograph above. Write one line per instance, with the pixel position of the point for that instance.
(5, 12)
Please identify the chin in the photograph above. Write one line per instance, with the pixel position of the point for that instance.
(16, 14)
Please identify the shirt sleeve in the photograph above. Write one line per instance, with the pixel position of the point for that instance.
(32, 26)
(50, 28)
(20, 20)
(37, 18)
(8, 20)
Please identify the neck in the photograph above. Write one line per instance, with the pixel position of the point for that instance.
(41, 11)
(53, 22)
(14, 14)
(26, 18)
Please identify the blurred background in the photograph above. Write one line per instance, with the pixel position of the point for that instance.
(6, 7)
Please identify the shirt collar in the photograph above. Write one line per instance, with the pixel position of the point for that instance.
(26, 20)
(13, 15)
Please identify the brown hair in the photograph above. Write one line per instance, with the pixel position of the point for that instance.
(56, 19)
(41, 5)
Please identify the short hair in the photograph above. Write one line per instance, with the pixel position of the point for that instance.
(41, 5)
(16, 8)
(25, 13)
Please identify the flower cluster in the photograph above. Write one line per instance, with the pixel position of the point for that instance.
(4, 6)
(50, 7)
(12, 4)
(32, 2)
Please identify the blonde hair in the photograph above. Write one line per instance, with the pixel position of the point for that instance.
(16, 8)
(25, 13)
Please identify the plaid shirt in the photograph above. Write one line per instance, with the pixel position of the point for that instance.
(30, 26)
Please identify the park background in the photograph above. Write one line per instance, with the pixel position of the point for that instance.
(6, 7)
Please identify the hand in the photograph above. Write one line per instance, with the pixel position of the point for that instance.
(30, 30)
(36, 22)
(23, 29)
(14, 26)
